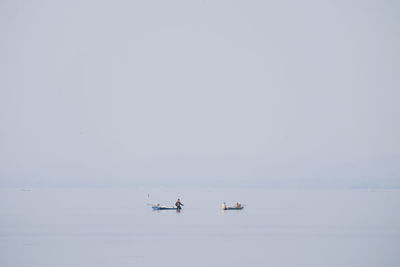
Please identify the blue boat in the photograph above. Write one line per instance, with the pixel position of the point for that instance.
(164, 208)
(234, 208)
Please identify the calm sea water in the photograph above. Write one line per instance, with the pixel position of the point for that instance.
(117, 227)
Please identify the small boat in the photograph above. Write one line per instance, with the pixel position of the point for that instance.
(238, 206)
(27, 188)
(164, 208)
(234, 208)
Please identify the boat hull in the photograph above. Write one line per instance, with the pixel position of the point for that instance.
(164, 208)
(233, 208)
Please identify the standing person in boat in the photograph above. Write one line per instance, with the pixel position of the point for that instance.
(224, 207)
(178, 204)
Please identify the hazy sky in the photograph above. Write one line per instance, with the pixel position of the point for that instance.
(122, 91)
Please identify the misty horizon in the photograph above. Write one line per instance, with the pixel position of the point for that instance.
(262, 93)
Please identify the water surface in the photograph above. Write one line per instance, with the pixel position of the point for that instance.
(117, 227)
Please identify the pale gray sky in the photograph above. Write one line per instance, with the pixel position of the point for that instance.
(118, 92)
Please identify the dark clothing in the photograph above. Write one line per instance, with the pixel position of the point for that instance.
(178, 204)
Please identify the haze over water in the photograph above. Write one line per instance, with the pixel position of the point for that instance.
(290, 107)
(116, 227)
(261, 92)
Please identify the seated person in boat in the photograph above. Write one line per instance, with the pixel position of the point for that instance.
(238, 205)
(178, 204)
